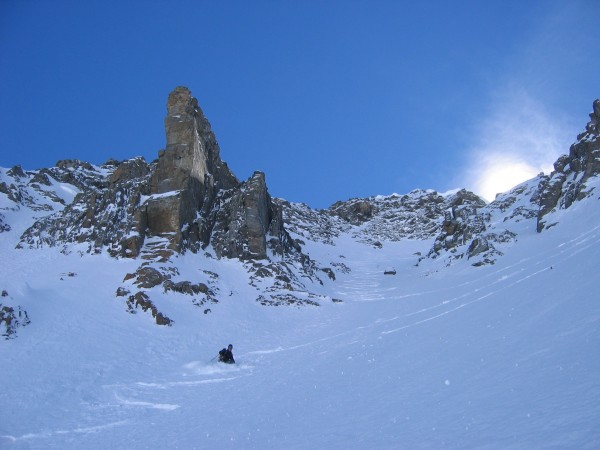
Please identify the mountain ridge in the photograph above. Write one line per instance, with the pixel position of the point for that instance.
(188, 200)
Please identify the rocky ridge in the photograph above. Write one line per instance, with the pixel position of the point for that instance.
(461, 225)
(188, 201)
(567, 183)
(185, 201)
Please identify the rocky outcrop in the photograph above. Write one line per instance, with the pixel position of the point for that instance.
(142, 301)
(465, 232)
(191, 160)
(11, 319)
(567, 183)
(103, 216)
(416, 215)
(248, 223)
(356, 212)
(3, 226)
(196, 201)
(186, 200)
(188, 176)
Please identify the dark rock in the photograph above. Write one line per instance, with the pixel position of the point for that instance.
(102, 215)
(4, 227)
(355, 212)
(140, 299)
(477, 246)
(73, 164)
(245, 218)
(287, 299)
(16, 172)
(185, 287)
(129, 170)
(42, 177)
(188, 175)
(567, 184)
(330, 273)
(162, 319)
(11, 319)
(122, 292)
(148, 277)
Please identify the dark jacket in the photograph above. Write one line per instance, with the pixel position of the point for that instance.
(226, 356)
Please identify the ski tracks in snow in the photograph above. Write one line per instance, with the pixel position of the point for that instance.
(15, 441)
(368, 284)
(497, 281)
(159, 395)
(126, 404)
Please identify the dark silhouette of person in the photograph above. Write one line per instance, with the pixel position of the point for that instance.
(226, 355)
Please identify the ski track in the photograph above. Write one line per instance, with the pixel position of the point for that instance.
(50, 434)
(120, 399)
(116, 401)
(133, 394)
(355, 286)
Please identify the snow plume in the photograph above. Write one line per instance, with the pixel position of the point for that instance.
(518, 140)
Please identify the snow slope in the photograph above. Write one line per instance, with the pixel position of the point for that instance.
(499, 356)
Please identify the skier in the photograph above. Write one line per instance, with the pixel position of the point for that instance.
(226, 355)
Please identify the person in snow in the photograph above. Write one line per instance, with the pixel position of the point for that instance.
(226, 355)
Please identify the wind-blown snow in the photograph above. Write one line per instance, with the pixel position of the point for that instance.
(500, 356)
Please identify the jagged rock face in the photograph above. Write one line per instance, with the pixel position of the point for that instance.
(3, 226)
(127, 171)
(567, 183)
(186, 200)
(416, 215)
(141, 300)
(105, 212)
(183, 201)
(355, 212)
(188, 175)
(464, 231)
(183, 165)
(191, 159)
(246, 219)
(11, 319)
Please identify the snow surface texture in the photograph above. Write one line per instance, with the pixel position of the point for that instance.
(498, 356)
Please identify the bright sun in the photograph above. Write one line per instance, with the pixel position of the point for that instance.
(501, 174)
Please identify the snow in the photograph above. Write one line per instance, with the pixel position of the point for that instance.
(146, 198)
(450, 192)
(500, 356)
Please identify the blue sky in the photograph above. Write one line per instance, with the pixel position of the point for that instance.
(331, 100)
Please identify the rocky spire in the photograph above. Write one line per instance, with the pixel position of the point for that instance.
(188, 175)
(191, 158)
(186, 200)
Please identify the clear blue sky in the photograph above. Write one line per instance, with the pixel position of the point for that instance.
(332, 100)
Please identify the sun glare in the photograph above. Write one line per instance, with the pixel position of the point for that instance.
(501, 175)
